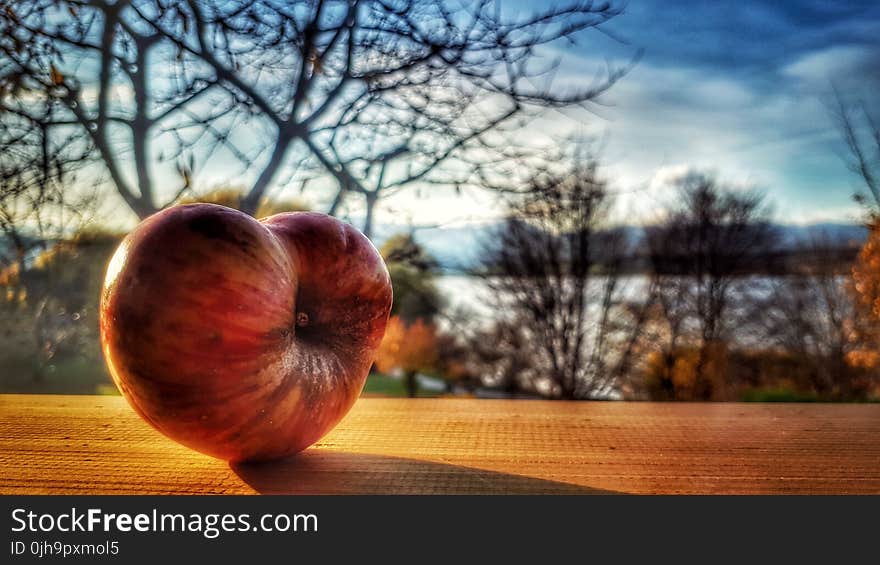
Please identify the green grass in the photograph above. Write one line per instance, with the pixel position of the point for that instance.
(787, 395)
(71, 375)
(79, 376)
(778, 395)
(383, 385)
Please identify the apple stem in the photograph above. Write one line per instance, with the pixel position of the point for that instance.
(302, 319)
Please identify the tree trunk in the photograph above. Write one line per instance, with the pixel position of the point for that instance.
(412, 386)
(251, 201)
(667, 382)
(702, 381)
(371, 199)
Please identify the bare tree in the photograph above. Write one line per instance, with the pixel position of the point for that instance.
(861, 132)
(35, 210)
(376, 95)
(36, 213)
(811, 314)
(666, 330)
(36, 216)
(699, 254)
(556, 274)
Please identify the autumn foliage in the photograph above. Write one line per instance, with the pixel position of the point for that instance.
(866, 279)
(407, 347)
(678, 375)
(866, 273)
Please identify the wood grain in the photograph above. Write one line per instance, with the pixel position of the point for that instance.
(91, 444)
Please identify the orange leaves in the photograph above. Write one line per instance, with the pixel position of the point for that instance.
(863, 358)
(679, 375)
(866, 272)
(410, 347)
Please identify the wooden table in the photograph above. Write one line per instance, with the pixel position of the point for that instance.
(96, 444)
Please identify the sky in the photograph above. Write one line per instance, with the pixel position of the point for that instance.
(739, 89)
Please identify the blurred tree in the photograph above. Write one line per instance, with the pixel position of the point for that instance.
(231, 197)
(699, 253)
(35, 207)
(861, 133)
(40, 313)
(454, 364)
(676, 374)
(412, 271)
(554, 272)
(866, 278)
(504, 359)
(58, 299)
(417, 302)
(813, 314)
(409, 348)
(375, 95)
(866, 273)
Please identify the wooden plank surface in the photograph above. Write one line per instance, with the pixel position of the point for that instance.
(91, 444)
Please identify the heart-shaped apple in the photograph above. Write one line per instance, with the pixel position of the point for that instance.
(243, 339)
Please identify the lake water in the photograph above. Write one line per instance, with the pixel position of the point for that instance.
(468, 293)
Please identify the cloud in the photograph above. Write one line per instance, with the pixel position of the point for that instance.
(836, 64)
(739, 90)
(674, 175)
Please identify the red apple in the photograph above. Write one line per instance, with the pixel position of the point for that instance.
(243, 339)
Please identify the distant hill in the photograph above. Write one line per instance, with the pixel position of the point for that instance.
(843, 235)
(457, 249)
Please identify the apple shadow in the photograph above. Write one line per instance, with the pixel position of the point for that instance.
(333, 472)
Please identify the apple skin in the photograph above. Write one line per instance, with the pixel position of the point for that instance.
(243, 339)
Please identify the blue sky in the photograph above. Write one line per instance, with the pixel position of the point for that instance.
(740, 89)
